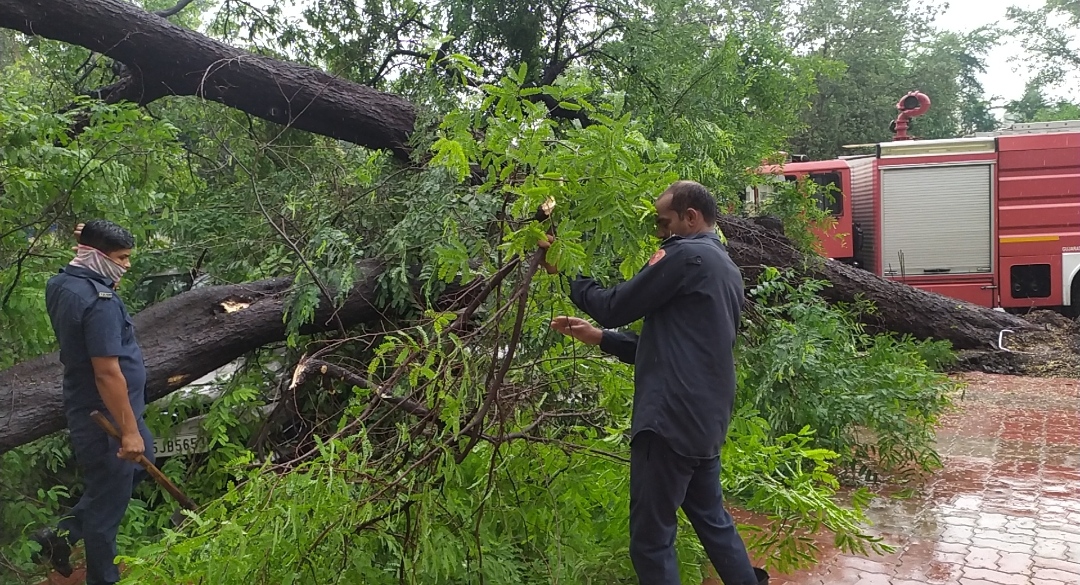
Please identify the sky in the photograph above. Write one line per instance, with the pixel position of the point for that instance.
(1003, 78)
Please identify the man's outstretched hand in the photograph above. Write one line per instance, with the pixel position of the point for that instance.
(579, 329)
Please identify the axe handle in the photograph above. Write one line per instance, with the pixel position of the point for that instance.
(150, 468)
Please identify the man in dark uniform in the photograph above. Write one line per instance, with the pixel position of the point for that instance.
(104, 371)
(690, 295)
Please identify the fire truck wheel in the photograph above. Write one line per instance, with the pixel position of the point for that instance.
(1073, 311)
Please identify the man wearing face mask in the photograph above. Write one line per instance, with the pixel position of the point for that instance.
(690, 295)
(104, 371)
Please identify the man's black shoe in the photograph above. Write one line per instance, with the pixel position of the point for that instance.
(55, 548)
(762, 576)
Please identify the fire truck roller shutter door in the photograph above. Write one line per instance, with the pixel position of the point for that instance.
(937, 219)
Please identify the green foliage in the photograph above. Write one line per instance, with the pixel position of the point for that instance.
(117, 167)
(603, 177)
(380, 502)
(1062, 110)
(34, 490)
(726, 89)
(880, 51)
(801, 206)
(542, 520)
(874, 400)
(787, 478)
(1033, 106)
(1048, 33)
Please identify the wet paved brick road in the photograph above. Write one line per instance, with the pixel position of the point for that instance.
(1005, 510)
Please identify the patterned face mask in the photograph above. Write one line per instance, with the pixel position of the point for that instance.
(96, 260)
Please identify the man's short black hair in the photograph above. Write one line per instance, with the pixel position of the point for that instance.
(691, 194)
(106, 236)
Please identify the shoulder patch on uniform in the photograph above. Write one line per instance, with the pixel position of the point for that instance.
(103, 292)
(657, 256)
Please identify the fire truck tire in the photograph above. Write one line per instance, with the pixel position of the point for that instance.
(1073, 310)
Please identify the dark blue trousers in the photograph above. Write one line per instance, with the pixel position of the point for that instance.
(108, 483)
(662, 481)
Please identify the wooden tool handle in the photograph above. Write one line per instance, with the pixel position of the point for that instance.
(150, 468)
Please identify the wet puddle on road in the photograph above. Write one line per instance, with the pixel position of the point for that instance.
(1004, 510)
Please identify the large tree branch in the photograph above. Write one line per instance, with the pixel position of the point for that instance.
(192, 334)
(183, 338)
(898, 307)
(164, 59)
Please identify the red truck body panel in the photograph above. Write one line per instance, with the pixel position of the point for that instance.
(993, 219)
(834, 241)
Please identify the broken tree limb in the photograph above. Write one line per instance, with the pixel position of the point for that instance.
(899, 307)
(182, 338)
(192, 334)
(163, 59)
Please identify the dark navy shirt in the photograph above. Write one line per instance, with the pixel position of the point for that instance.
(90, 320)
(691, 299)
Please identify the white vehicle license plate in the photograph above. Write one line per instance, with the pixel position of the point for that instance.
(180, 445)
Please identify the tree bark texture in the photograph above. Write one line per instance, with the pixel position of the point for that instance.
(163, 59)
(899, 307)
(182, 338)
(194, 333)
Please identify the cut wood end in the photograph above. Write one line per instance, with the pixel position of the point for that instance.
(177, 379)
(232, 306)
(548, 206)
(298, 373)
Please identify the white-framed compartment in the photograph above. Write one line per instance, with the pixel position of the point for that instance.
(939, 217)
(1070, 269)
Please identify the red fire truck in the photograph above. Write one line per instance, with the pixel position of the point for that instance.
(993, 219)
(834, 181)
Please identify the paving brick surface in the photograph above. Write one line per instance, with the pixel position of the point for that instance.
(1004, 510)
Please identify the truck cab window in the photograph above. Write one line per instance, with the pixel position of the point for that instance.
(829, 194)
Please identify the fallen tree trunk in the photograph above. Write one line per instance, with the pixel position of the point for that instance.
(163, 59)
(183, 338)
(899, 307)
(192, 334)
